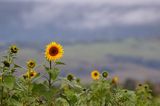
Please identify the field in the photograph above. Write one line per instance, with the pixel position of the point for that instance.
(33, 78)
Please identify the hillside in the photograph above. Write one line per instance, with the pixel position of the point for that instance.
(139, 59)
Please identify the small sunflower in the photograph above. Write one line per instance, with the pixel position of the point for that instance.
(33, 74)
(54, 51)
(95, 74)
(105, 74)
(70, 77)
(13, 49)
(30, 74)
(31, 64)
(115, 80)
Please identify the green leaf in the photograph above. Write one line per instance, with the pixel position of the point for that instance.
(46, 68)
(61, 102)
(17, 66)
(13, 102)
(5, 56)
(71, 96)
(60, 63)
(13, 70)
(9, 81)
(39, 89)
(42, 90)
(54, 73)
(52, 92)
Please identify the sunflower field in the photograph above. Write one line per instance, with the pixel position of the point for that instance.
(29, 89)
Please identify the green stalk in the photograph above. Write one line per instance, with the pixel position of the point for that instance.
(49, 81)
(29, 81)
(2, 97)
(2, 92)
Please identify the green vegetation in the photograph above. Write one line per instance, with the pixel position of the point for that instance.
(30, 90)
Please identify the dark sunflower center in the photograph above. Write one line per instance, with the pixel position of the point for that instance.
(13, 50)
(31, 63)
(95, 74)
(53, 51)
(31, 74)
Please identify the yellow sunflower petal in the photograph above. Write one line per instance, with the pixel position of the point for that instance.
(54, 51)
(31, 64)
(95, 74)
(30, 74)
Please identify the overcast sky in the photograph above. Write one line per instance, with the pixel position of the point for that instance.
(31, 18)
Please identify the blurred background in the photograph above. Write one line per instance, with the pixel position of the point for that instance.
(118, 36)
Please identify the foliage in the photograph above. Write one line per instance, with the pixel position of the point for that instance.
(30, 90)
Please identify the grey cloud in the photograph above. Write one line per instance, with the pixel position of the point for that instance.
(91, 15)
(78, 19)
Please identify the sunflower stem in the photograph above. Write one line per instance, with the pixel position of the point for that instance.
(28, 82)
(2, 93)
(50, 67)
(2, 90)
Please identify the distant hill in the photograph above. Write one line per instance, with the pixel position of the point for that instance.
(121, 57)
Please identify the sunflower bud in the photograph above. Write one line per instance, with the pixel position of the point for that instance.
(146, 86)
(105, 74)
(70, 77)
(125, 91)
(84, 89)
(78, 80)
(6, 64)
(139, 85)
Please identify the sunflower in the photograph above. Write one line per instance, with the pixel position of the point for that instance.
(31, 64)
(30, 74)
(33, 74)
(95, 74)
(13, 49)
(54, 51)
(115, 80)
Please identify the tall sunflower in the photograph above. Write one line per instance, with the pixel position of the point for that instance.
(95, 74)
(54, 51)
